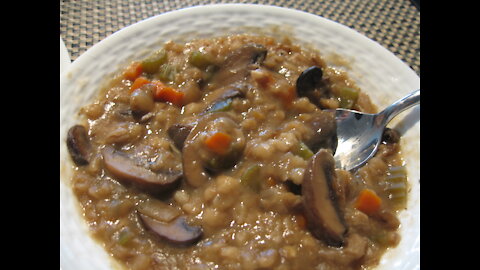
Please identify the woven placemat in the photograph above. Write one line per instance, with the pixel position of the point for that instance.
(395, 24)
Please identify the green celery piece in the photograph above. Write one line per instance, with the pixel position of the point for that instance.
(303, 151)
(348, 97)
(250, 177)
(200, 60)
(152, 63)
(167, 73)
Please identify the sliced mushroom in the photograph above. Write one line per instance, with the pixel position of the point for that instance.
(353, 252)
(323, 131)
(196, 159)
(309, 84)
(176, 232)
(309, 80)
(324, 218)
(224, 101)
(124, 168)
(237, 92)
(178, 133)
(78, 145)
(238, 64)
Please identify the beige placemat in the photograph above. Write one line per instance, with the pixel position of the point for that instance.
(395, 24)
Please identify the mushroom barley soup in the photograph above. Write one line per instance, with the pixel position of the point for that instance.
(218, 154)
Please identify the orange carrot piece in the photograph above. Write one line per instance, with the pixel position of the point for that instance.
(219, 142)
(368, 202)
(168, 94)
(139, 82)
(133, 71)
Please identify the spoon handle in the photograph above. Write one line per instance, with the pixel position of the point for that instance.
(399, 106)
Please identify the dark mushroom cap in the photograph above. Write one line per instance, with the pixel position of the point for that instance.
(324, 218)
(308, 80)
(176, 232)
(309, 84)
(178, 133)
(78, 145)
(238, 64)
(125, 169)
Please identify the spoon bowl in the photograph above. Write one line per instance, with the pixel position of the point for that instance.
(359, 134)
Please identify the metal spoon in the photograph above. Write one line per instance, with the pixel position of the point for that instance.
(359, 134)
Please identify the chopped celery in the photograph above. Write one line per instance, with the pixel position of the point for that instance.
(250, 177)
(152, 63)
(200, 60)
(396, 186)
(167, 73)
(347, 97)
(303, 151)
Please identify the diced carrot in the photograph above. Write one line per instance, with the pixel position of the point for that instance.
(368, 202)
(167, 94)
(133, 71)
(171, 95)
(219, 142)
(139, 82)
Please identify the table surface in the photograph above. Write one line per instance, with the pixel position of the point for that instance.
(394, 24)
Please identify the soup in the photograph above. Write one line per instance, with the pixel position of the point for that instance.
(218, 154)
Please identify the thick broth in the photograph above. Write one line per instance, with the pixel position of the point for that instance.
(250, 209)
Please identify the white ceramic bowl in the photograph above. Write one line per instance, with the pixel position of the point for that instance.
(376, 70)
(64, 57)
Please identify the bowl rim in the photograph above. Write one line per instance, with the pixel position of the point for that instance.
(353, 33)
